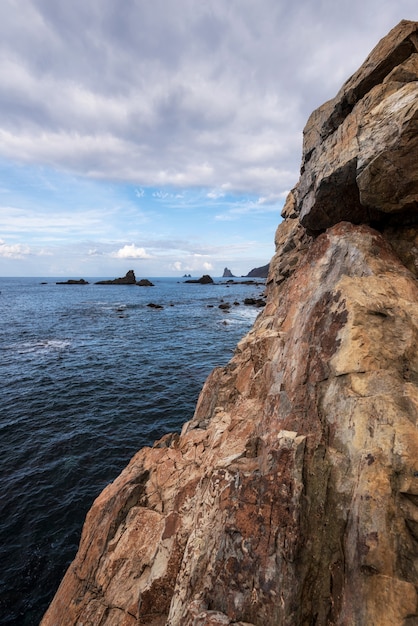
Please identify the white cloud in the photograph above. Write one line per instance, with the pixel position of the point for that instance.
(177, 266)
(215, 194)
(193, 264)
(14, 251)
(131, 252)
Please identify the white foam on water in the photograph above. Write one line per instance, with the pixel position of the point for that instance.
(43, 347)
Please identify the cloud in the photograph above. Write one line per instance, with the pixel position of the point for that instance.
(249, 207)
(182, 94)
(215, 194)
(192, 264)
(177, 266)
(131, 252)
(14, 251)
(62, 224)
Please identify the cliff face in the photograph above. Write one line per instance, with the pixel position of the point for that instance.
(292, 495)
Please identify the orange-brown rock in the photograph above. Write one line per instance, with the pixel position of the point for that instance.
(291, 497)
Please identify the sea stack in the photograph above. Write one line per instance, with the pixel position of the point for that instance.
(128, 279)
(291, 496)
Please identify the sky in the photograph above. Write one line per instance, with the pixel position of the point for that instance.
(163, 136)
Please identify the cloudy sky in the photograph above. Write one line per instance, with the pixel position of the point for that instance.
(163, 135)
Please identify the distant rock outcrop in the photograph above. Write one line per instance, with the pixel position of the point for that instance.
(72, 281)
(128, 279)
(227, 273)
(204, 280)
(259, 272)
(291, 497)
(144, 282)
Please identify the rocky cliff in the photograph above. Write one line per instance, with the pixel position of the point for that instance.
(259, 272)
(291, 497)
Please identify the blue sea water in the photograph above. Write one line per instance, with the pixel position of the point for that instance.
(89, 375)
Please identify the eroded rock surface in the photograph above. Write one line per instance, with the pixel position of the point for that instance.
(291, 497)
(361, 148)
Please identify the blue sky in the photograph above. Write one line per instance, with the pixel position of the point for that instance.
(162, 137)
(59, 221)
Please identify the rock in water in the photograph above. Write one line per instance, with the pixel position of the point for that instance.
(128, 279)
(204, 280)
(291, 496)
(73, 281)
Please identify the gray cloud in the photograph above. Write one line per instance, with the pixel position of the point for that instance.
(177, 93)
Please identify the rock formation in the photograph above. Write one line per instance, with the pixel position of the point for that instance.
(259, 272)
(227, 273)
(291, 497)
(204, 280)
(128, 279)
(73, 281)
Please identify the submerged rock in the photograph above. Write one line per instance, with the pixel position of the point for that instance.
(291, 496)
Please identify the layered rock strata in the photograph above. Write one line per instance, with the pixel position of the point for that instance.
(291, 497)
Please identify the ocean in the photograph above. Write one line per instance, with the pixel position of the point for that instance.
(89, 375)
